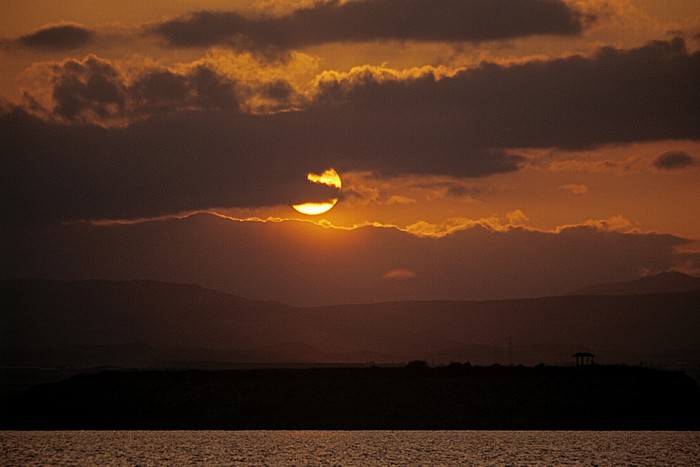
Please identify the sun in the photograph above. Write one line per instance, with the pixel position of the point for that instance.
(313, 209)
(331, 178)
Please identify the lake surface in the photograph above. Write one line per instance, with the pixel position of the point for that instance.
(349, 448)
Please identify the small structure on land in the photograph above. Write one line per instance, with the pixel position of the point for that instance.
(584, 358)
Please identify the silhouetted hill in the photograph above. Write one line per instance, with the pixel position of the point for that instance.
(665, 282)
(96, 322)
(145, 323)
(413, 397)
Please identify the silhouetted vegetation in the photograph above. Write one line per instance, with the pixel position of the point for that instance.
(412, 397)
(417, 365)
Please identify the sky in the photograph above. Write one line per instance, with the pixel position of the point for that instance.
(486, 148)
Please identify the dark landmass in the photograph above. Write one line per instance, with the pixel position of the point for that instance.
(145, 324)
(412, 397)
(665, 282)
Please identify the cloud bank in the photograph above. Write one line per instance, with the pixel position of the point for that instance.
(377, 20)
(94, 141)
(95, 90)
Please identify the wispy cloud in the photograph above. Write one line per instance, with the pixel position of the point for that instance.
(399, 274)
(574, 188)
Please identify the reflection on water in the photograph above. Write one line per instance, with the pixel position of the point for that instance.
(348, 447)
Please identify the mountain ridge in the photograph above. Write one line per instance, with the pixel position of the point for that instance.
(664, 282)
(142, 323)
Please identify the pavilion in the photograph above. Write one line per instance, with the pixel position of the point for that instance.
(584, 358)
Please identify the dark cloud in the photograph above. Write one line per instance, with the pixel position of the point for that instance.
(94, 90)
(616, 96)
(193, 147)
(285, 261)
(673, 160)
(167, 164)
(92, 87)
(158, 91)
(57, 37)
(279, 89)
(370, 20)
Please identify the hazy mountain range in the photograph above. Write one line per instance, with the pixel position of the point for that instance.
(665, 282)
(143, 323)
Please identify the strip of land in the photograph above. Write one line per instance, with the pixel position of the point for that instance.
(412, 397)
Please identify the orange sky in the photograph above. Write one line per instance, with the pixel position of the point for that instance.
(550, 116)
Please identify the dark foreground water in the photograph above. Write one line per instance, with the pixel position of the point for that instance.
(349, 448)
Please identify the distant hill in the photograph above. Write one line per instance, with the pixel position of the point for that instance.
(98, 322)
(147, 323)
(665, 282)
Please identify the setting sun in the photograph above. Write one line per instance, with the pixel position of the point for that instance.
(331, 178)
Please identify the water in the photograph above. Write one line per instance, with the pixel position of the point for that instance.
(349, 448)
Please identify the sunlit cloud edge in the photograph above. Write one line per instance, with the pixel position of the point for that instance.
(421, 229)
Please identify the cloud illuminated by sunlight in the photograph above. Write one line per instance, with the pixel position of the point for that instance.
(399, 273)
(515, 220)
(615, 224)
(329, 177)
(575, 189)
